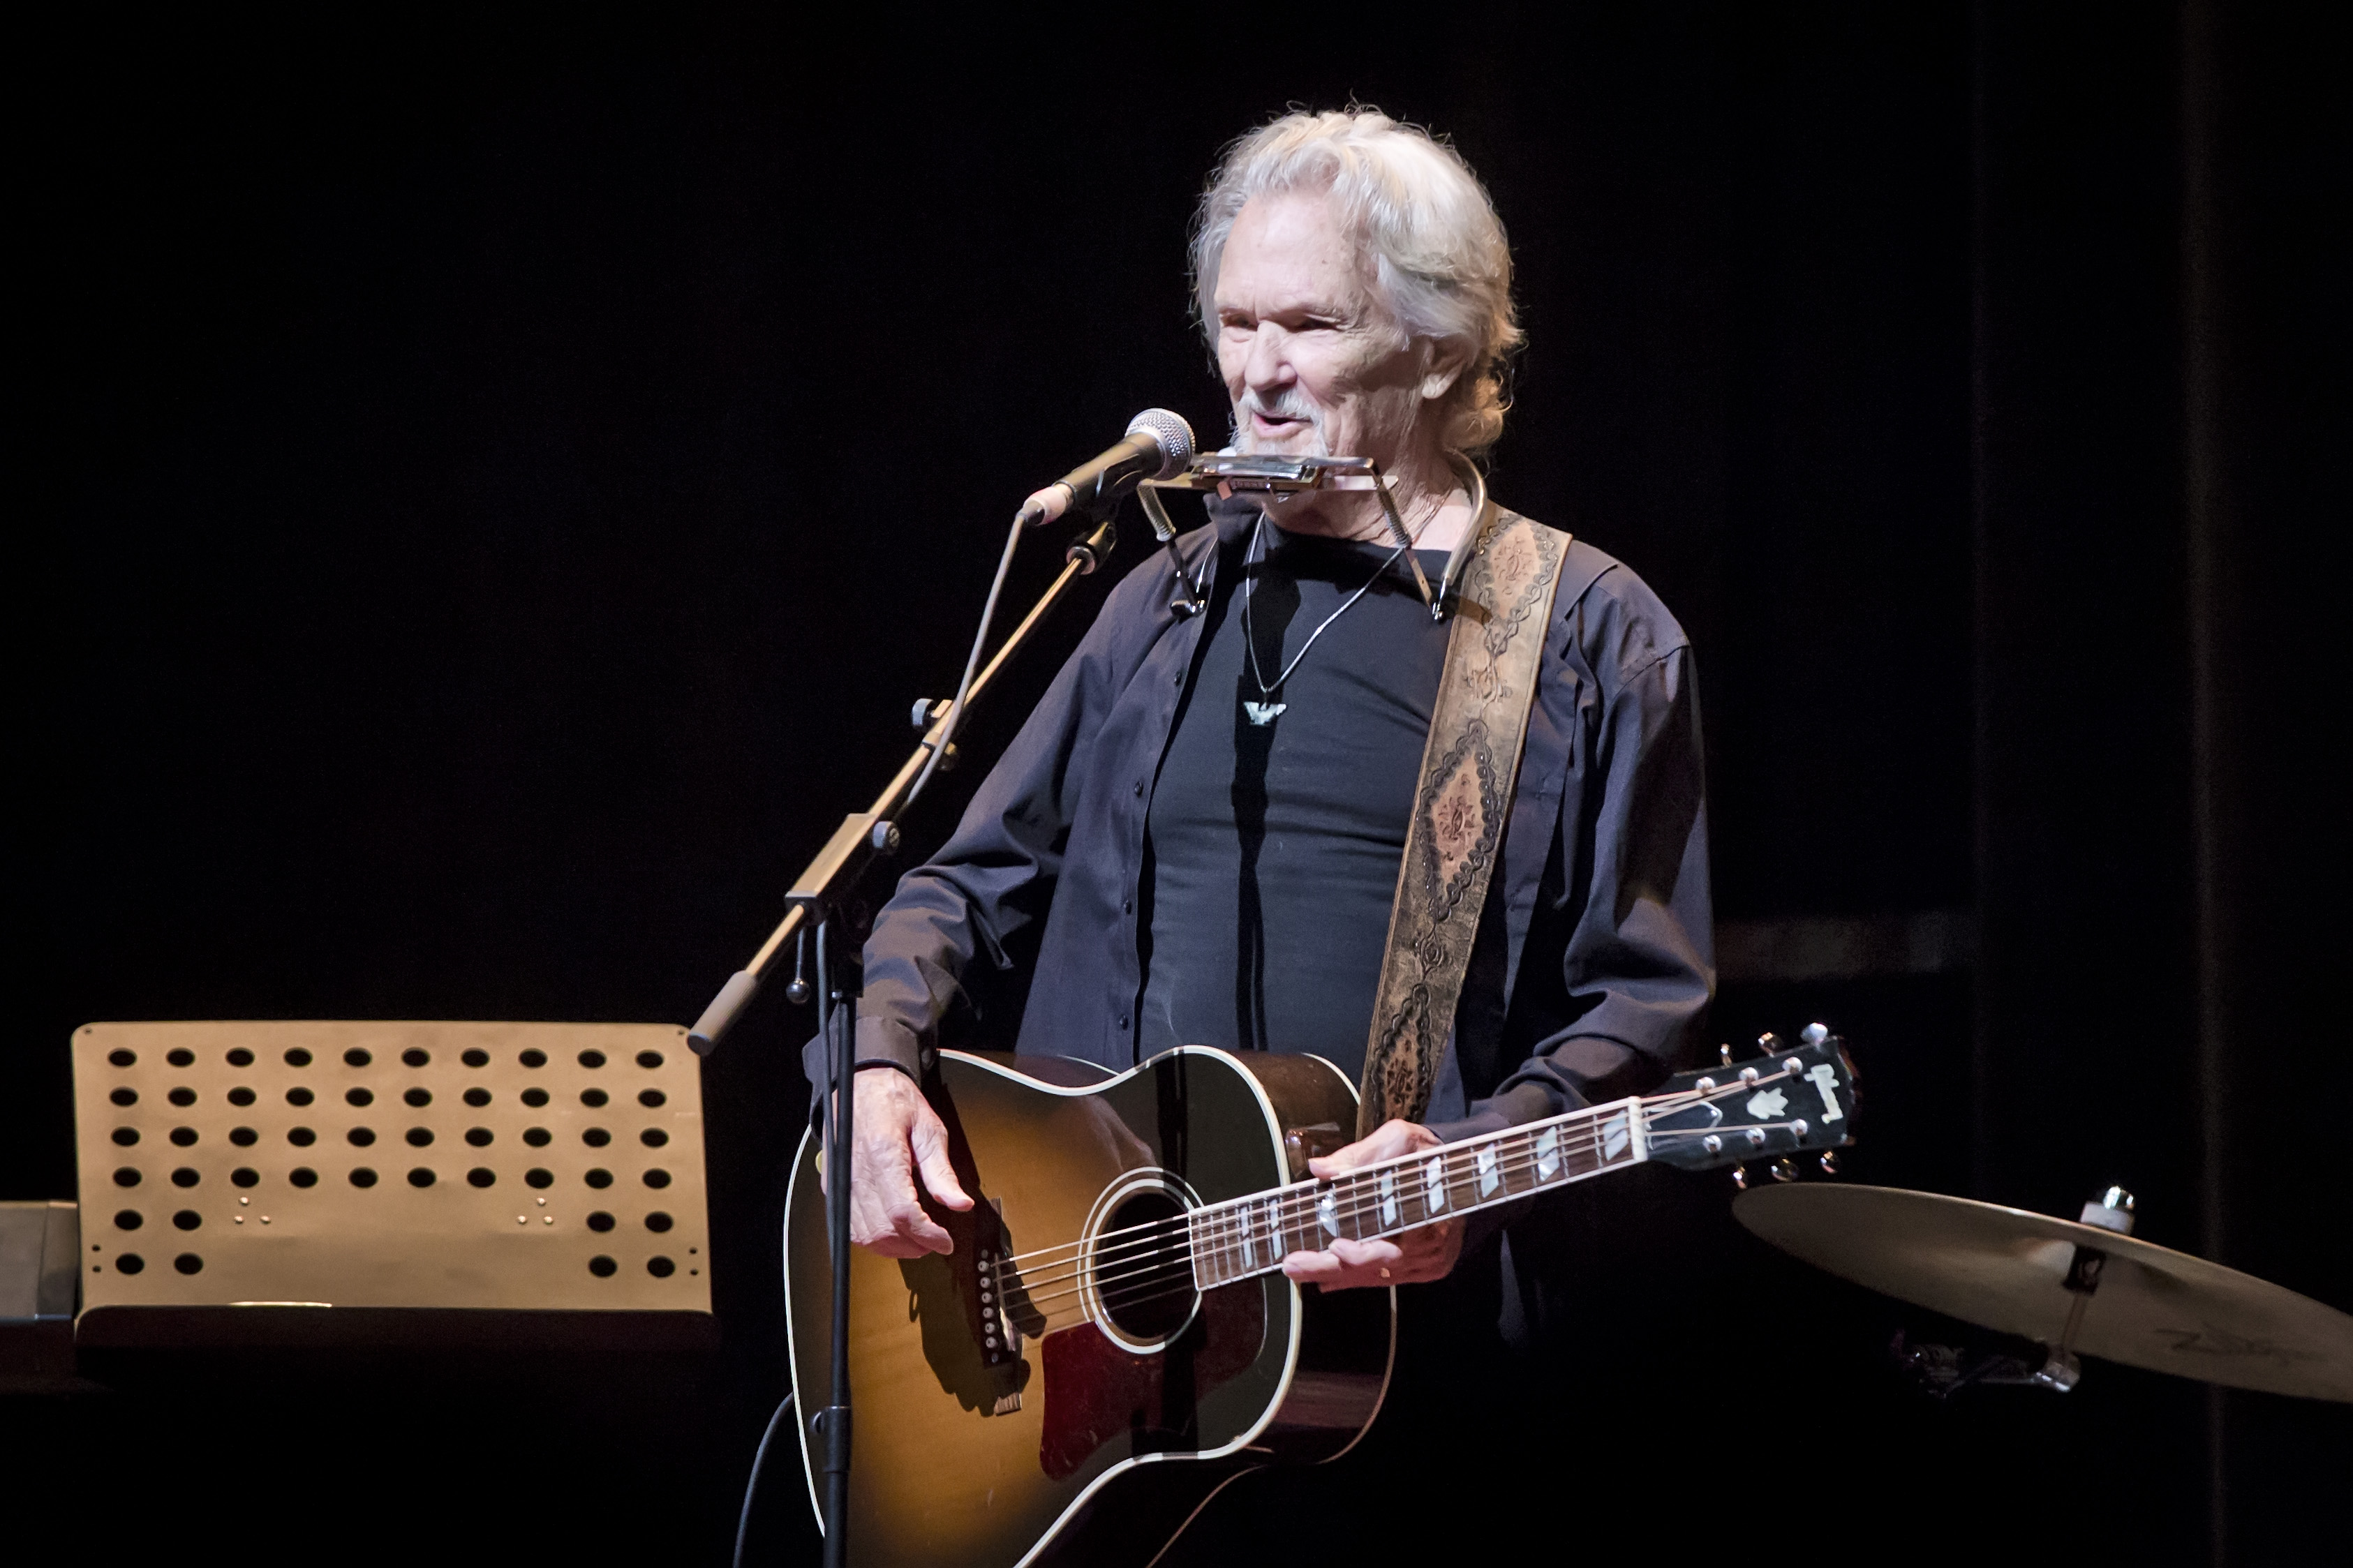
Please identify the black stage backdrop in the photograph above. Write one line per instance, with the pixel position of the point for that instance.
(488, 491)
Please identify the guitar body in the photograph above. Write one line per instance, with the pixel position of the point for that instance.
(1036, 1397)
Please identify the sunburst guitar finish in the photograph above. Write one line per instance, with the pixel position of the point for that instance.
(1113, 1339)
(1059, 1389)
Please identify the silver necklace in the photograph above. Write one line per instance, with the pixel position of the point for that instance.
(1266, 712)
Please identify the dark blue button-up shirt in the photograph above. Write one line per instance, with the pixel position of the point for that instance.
(1594, 957)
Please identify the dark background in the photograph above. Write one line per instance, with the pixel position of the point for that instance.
(488, 490)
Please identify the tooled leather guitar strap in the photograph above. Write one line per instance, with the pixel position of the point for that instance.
(1495, 653)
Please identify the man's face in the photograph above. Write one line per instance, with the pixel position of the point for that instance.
(1315, 364)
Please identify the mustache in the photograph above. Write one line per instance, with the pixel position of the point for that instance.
(1289, 404)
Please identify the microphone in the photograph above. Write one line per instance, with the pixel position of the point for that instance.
(1158, 445)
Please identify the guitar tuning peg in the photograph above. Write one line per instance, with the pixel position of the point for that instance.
(1740, 1178)
(1769, 1042)
(1813, 1034)
(1724, 1054)
(1785, 1171)
(1830, 1163)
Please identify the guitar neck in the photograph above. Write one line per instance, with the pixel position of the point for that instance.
(1248, 1237)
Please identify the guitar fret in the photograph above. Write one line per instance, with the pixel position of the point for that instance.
(1252, 1236)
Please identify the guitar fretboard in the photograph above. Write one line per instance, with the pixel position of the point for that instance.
(1251, 1235)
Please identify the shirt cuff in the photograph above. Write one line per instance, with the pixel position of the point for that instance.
(880, 1043)
(888, 1043)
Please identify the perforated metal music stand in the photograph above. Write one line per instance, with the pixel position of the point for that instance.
(324, 1183)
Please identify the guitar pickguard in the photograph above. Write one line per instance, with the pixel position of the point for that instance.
(1098, 1392)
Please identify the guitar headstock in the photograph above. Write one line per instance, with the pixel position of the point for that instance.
(1789, 1102)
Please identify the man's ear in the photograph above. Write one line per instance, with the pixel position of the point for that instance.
(1442, 366)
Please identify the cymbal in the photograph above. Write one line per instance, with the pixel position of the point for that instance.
(2004, 1268)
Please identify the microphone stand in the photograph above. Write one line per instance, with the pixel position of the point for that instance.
(818, 896)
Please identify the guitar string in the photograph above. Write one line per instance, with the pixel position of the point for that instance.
(1660, 1105)
(1142, 1234)
(1225, 1243)
(1227, 1237)
(1136, 1286)
(1140, 1286)
(1300, 1202)
(1103, 1280)
(1219, 1243)
(1216, 1232)
(1221, 1228)
(1664, 1105)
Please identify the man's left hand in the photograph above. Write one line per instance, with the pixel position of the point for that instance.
(1426, 1252)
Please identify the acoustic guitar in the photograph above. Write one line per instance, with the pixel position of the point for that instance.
(1113, 1340)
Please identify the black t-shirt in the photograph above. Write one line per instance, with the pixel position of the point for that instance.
(1272, 850)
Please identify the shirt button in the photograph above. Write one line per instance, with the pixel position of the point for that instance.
(1127, 906)
(1139, 786)
(1122, 1020)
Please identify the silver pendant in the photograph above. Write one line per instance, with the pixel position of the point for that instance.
(1265, 713)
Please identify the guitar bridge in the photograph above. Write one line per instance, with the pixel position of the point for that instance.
(1000, 1331)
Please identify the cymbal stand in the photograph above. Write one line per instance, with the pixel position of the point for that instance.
(1939, 1368)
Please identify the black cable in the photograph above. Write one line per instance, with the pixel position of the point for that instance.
(752, 1481)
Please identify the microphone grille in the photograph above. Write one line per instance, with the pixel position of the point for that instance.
(1175, 436)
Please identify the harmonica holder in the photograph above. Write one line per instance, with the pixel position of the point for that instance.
(1228, 474)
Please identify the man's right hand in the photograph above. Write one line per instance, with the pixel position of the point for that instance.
(895, 1135)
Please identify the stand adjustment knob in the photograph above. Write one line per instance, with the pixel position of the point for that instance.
(885, 837)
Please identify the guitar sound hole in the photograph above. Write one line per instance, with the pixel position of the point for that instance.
(1144, 1271)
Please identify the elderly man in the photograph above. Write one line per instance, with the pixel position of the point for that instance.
(1197, 836)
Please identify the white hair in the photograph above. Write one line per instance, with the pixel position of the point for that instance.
(1437, 249)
